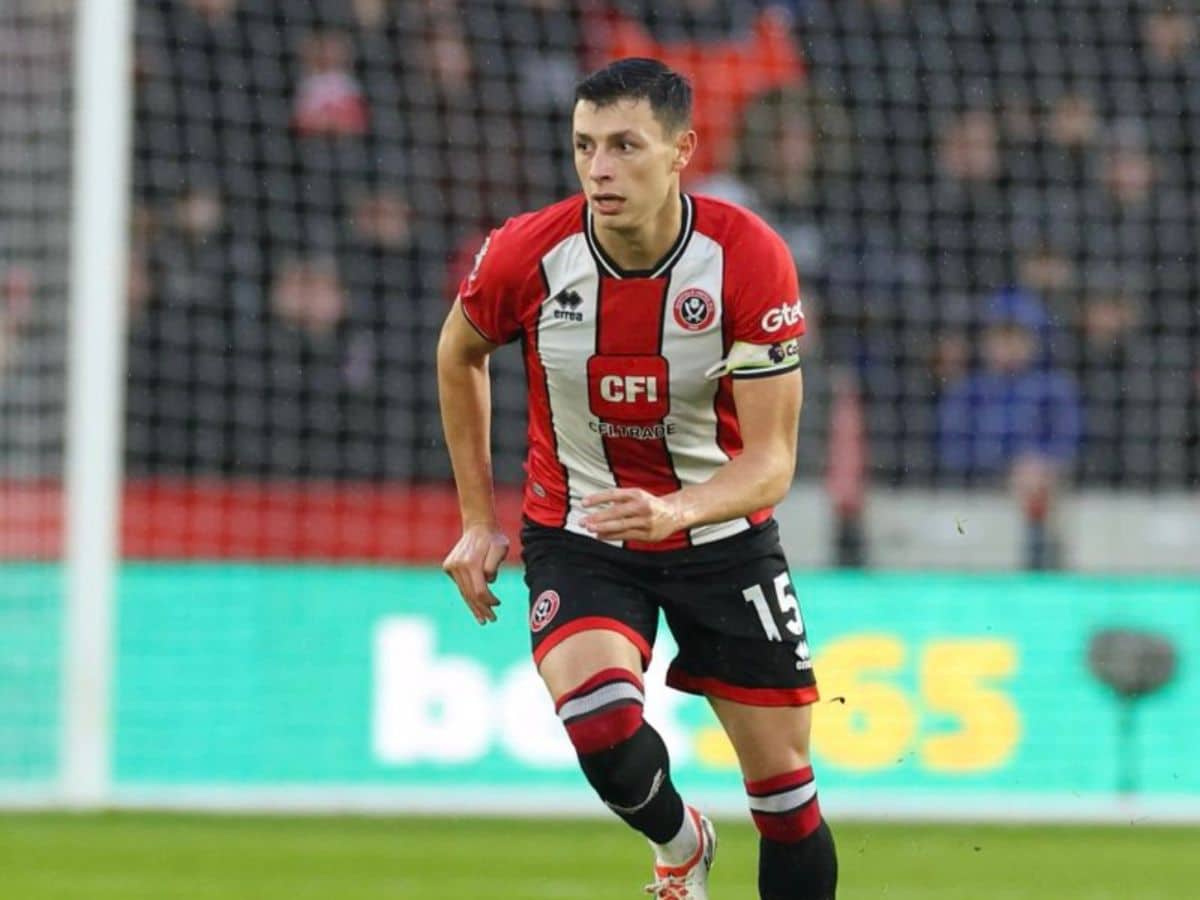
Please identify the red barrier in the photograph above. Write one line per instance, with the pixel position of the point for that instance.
(169, 519)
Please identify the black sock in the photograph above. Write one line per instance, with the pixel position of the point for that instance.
(803, 870)
(634, 780)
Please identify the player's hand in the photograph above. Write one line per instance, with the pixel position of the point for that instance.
(631, 514)
(473, 564)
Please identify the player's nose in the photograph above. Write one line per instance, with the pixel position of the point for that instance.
(600, 167)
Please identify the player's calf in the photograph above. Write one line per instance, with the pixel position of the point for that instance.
(797, 858)
(624, 759)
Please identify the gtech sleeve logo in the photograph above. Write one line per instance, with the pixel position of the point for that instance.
(628, 388)
(788, 314)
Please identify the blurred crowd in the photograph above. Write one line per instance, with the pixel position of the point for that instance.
(993, 207)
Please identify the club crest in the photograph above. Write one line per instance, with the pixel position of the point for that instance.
(544, 609)
(694, 309)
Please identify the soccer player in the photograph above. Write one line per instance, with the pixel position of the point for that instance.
(660, 333)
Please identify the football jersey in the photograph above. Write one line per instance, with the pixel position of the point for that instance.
(629, 372)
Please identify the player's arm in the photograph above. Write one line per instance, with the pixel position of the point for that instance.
(768, 411)
(464, 393)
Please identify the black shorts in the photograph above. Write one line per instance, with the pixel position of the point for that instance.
(730, 606)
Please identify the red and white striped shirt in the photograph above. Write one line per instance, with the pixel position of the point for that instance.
(629, 372)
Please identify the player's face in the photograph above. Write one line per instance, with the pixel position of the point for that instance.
(628, 165)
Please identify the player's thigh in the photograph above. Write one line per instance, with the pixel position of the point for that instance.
(769, 740)
(586, 612)
(584, 654)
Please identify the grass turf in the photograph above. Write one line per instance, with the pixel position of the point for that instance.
(135, 856)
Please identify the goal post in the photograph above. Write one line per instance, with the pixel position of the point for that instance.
(98, 276)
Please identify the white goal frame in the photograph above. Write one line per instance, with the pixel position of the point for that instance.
(101, 132)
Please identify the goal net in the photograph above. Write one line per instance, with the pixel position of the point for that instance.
(35, 137)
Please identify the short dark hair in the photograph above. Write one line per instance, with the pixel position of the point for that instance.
(639, 78)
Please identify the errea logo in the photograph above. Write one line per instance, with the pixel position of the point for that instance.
(788, 314)
(568, 303)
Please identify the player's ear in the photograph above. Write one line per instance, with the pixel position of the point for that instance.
(685, 146)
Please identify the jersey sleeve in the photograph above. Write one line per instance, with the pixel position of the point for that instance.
(765, 308)
(491, 294)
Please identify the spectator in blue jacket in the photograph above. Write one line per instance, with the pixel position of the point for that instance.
(1016, 405)
(1016, 418)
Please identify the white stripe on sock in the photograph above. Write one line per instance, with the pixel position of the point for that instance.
(782, 802)
(602, 696)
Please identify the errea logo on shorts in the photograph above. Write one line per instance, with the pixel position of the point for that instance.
(788, 314)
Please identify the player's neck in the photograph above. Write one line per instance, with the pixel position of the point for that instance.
(642, 246)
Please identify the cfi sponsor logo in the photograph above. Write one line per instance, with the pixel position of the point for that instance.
(788, 314)
(628, 388)
(694, 309)
(544, 609)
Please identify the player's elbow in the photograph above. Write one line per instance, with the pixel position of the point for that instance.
(777, 489)
(776, 470)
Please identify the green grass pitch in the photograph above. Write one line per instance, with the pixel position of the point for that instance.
(199, 857)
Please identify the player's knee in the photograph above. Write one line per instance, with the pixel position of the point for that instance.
(785, 807)
(604, 711)
(623, 758)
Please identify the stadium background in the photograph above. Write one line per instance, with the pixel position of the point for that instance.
(307, 183)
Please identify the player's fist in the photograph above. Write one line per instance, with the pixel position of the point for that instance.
(473, 564)
(631, 514)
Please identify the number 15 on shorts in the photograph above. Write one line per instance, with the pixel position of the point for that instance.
(789, 611)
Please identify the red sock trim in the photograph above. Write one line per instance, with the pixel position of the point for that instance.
(777, 783)
(604, 711)
(605, 730)
(785, 807)
(792, 827)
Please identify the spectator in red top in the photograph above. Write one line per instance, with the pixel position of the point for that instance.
(726, 73)
(329, 99)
